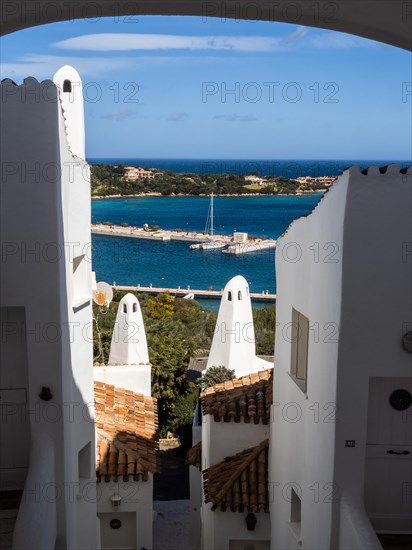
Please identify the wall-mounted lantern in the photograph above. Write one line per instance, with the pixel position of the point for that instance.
(45, 394)
(115, 499)
(407, 341)
(251, 521)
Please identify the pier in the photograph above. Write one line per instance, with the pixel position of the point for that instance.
(132, 232)
(160, 235)
(205, 294)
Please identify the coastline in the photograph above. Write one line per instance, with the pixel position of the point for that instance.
(136, 195)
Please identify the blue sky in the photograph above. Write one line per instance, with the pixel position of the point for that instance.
(160, 87)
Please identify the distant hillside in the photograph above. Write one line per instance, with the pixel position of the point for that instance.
(117, 180)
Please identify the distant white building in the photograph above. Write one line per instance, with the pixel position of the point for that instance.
(255, 179)
(126, 427)
(341, 431)
(132, 173)
(232, 420)
(46, 381)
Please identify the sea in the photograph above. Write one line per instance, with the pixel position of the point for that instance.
(291, 168)
(127, 261)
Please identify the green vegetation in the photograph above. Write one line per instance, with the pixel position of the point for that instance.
(175, 329)
(215, 375)
(109, 180)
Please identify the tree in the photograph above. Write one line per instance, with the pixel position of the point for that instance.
(215, 375)
(160, 307)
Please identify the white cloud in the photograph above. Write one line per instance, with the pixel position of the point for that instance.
(234, 118)
(300, 38)
(119, 115)
(44, 66)
(128, 42)
(174, 117)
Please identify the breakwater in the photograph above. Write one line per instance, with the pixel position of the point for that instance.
(204, 294)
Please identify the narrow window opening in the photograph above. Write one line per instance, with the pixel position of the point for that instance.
(85, 457)
(295, 507)
(67, 87)
(239, 295)
(299, 351)
(134, 308)
(124, 308)
(229, 296)
(80, 290)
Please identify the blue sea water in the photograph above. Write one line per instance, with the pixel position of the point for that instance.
(172, 264)
(266, 167)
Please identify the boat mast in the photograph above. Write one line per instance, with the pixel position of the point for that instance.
(211, 216)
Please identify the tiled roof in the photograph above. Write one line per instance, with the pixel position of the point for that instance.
(249, 397)
(195, 368)
(126, 425)
(194, 455)
(239, 483)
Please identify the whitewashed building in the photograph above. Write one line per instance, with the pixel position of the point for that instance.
(34, 295)
(46, 378)
(341, 432)
(229, 457)
(126, 441)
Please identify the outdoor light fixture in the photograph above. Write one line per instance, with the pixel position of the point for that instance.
(407, 341)
(115, 499)
(45, 394)
(251, 521)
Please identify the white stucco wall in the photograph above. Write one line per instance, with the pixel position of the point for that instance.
(137, 497)
(376, 312)
(233, 344)
(226, 526)
(45, 219)
(136, 378)
(129, 344)
(73, 108)
(308, 271)
(358, 307)
(222, 439)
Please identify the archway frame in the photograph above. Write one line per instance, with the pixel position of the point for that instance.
(387, 21)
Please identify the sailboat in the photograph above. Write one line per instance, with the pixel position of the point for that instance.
(211, 244)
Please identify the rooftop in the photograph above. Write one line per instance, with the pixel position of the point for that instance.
(239, 483)
(126, 426)
(248, 398)
(194, 456)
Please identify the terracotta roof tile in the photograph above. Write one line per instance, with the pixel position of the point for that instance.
(239, 483)
(126, 426)
(194, 456)
(249, 397)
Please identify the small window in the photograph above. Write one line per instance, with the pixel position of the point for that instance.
(229, 296)
(67, 87)
(124, 308)
(299, 352)
(135, 308)
(80, 290)
(295, 513)
(295, 507)
(239, 295)
(85, 461)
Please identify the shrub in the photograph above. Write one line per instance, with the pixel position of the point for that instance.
(215, 375)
